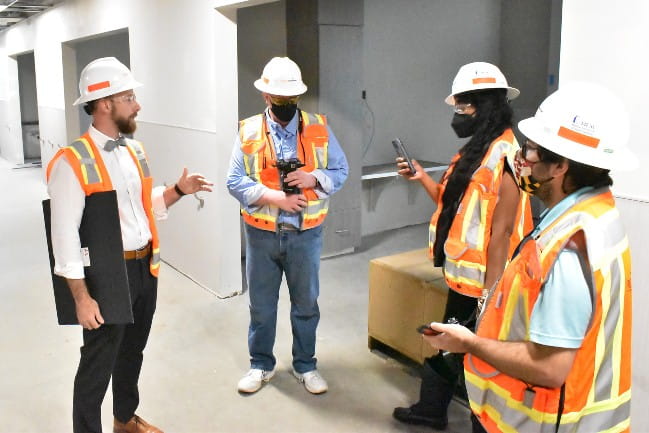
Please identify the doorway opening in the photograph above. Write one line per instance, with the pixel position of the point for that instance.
(76, 55)
(29, 109)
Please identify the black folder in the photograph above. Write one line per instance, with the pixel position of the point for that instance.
(106, 276)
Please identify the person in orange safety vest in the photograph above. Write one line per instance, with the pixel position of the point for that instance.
(552, 347)
(104, 160)
(480, 218)
(285, 166)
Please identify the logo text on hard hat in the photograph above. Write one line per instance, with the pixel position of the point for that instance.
(98, 86)
(583, 125)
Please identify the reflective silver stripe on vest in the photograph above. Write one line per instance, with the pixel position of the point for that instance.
(501, 148)
(249, 163)
(518, 328)
(141, 157)
(155, 258)
(598, 421)
(455, 270)
(473, 231)
(87, 161)
(311, 119)
(320, 157)
(251, 130)
(519, 421)
(608, 410)
(314, 207)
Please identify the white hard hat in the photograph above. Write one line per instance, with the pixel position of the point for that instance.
(282, 77)
(479, 76)
(104, 77)
(586, 123)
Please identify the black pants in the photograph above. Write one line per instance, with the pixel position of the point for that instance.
(115, 350)
(449, 366)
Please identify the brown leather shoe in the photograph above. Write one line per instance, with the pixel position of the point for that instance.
(135, 425)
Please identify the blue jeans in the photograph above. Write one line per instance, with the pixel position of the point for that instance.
(297, 255)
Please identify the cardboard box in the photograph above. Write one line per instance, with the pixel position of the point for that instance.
(405, 291)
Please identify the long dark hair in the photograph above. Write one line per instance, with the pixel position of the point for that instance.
(494, 115)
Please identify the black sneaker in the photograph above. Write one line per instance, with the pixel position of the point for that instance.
(413, 415)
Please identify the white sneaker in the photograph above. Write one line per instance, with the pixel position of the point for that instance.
(253, 380)
(313, 382)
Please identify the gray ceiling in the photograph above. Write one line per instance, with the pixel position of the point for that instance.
(19, 10)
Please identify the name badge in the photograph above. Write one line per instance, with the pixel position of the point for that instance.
(85, 256)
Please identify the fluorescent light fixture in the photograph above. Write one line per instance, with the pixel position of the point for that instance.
(2, 8)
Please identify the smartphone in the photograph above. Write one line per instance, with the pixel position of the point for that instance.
(401, 152)
(427, 330)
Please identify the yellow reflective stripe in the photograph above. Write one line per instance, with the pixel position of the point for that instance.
(83, 166)
(316, 160)
(597, 407)
(266, 216)
(306, 118)
(616, 336)
(94, 158)
(617, 342)
(481, 233)
(624, 425)
(511, 308)
(316, 214)
(510, 404)
(246, 164)
(600, 347)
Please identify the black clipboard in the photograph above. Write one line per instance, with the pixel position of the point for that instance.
(106, 276)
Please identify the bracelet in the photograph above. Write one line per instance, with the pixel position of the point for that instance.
(178, 190)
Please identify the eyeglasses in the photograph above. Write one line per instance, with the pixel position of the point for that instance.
(130, 98)
(527, 150)
(283, 100)
(461, 108)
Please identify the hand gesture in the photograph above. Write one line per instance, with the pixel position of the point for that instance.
(191, 183)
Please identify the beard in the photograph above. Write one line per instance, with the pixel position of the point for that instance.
(125, 125)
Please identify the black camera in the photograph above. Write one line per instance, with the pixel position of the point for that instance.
(286, 166)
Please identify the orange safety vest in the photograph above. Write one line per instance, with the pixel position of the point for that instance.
(259, 160)
(466, 246)
(598, 387)
(86, 162)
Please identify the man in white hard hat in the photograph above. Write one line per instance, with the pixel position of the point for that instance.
(552, 348)
(285, 165)
(103, 160)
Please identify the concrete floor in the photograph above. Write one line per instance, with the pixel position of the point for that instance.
(197, 350)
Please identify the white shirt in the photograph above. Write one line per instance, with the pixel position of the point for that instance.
(68, 201)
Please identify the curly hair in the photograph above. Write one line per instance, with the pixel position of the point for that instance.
(494, 115)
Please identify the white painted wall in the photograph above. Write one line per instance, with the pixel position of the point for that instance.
(607, 43)
(188, 115)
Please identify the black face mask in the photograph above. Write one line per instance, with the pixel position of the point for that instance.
(284, 112)
(464, 125)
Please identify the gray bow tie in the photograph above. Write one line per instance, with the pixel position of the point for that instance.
(112, 144)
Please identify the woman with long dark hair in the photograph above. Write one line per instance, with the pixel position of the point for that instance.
(479, 220)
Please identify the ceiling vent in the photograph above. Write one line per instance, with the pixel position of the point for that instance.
(14, 11)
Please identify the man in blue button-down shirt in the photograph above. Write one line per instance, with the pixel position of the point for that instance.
(283, 218)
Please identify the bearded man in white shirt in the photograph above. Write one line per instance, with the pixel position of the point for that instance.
(103, 160)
